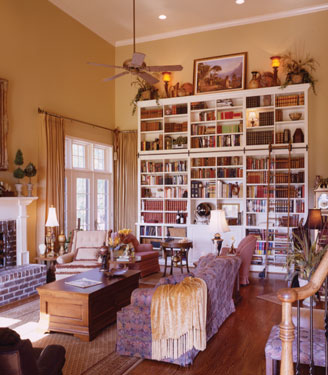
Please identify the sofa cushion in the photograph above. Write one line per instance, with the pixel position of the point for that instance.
(90, 238)
(87, 253)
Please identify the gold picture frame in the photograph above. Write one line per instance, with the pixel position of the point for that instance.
(220, 73)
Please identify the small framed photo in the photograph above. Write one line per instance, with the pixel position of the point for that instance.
(221, 73)
(231, 210)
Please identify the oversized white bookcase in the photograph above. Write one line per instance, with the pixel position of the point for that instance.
(214, 149)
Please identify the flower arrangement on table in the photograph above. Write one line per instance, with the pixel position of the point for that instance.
(116, 243)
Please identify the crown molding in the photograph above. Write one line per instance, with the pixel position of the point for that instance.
(223, 25)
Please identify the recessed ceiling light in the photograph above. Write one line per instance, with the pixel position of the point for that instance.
(162, 17)
(240, 1)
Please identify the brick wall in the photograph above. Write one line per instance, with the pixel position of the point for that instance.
(21, 282)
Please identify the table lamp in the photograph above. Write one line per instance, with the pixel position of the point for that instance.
(218, 224)
(50, 236)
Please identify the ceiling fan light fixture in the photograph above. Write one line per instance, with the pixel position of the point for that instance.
(162, 17)
(240, 2)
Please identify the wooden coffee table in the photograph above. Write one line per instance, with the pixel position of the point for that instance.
(85, 311)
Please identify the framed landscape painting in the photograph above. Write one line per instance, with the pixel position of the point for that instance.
(221, 73)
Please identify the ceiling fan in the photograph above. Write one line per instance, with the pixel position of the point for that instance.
(137, 66)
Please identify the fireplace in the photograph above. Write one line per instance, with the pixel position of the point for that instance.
(8, 257)
(13, 236)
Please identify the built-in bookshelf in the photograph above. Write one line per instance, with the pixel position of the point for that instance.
(213, 149)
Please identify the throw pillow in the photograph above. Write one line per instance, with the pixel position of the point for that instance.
(87, 253)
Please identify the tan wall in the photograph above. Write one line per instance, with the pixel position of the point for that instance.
(261, 40)
(43, 55)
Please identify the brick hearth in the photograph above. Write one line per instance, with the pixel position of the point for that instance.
(21, 282)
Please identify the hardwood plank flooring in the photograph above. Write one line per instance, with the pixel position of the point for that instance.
(238, 347)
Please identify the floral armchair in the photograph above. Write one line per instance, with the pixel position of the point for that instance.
(84, 254)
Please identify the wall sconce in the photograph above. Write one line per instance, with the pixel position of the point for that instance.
(50, 236)
(275, 63)
(252, 118)
(166, 80)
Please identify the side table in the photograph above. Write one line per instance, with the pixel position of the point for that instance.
(51, 266)
(176, 249)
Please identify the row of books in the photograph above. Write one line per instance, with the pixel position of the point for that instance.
(230, 160)
(152, 193)
(277, 163)
(259, 192)
(283, 163)
(176, 180)
(257, 163)
(282, 177)
(203, 190)
(260, 234)
(171, 218)
(206, 116)
(151, 205)
(292, 219)
(197, 129)
(176, 205)
(282, 206)
(266, 118)
(203, 142)
(294, 191)
(289, 100)
(258, 205)
(176, 166)
(259, 137)
(151, 231)
(151, 112)
(176, 109)
(152, 217)
(156, 144)
(229, 115)
(151, 167)
(203, 162)
(175, 192)
(147, 126)
(231, 128)
(203, 173)
(230, 172)
(151, 180)
(257, 177)
(229, 190)
(228, 140)
(176, 127)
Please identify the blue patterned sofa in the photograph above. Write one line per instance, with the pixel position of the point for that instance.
(133, 321)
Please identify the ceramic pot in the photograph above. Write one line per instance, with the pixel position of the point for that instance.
(254, 83)
(296, 78)
(29, 190)
(19, 189)
(306, 301)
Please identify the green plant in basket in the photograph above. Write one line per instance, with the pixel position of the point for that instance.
(306, 255)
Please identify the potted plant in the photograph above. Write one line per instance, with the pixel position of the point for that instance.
(30, 171)
(306, 255)
(299, 70)
(18, 172)
(145, 92)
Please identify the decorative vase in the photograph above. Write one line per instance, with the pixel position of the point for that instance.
(306, 301)
(19, 189)
(29, 190)
(254, 83)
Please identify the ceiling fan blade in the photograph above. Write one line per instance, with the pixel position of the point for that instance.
(137, 59)
(148, 78)
(115, 76)
(105, 65)
(164, 68)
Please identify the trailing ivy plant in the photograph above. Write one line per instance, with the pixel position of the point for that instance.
(142, 87)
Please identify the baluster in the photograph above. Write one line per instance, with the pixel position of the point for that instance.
(326, 325)
(311, 372)
(298, 338)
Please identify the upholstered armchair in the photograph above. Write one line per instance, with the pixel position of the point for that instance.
(245, 251)
(147, 259)
(18, 357)
(84, 254)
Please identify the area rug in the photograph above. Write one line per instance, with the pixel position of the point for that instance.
(270, 297)
(82, 358)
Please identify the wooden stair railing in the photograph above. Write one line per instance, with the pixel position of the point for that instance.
(287, 296)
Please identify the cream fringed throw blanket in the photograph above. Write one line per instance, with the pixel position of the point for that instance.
(178, 318)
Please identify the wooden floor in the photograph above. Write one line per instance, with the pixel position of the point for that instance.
(238, 347)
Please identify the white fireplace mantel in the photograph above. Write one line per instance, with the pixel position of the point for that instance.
(14, 208)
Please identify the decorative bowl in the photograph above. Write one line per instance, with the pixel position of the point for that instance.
(295, 116)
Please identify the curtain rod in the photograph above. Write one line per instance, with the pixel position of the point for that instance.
(73, 119)
(84, 122)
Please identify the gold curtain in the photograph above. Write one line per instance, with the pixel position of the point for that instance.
(126, 181)
(55, 166)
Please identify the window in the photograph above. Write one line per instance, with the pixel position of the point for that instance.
(88, 186)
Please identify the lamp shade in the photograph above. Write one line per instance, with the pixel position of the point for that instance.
(52, 218)
(218, 222)
(314, 219)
